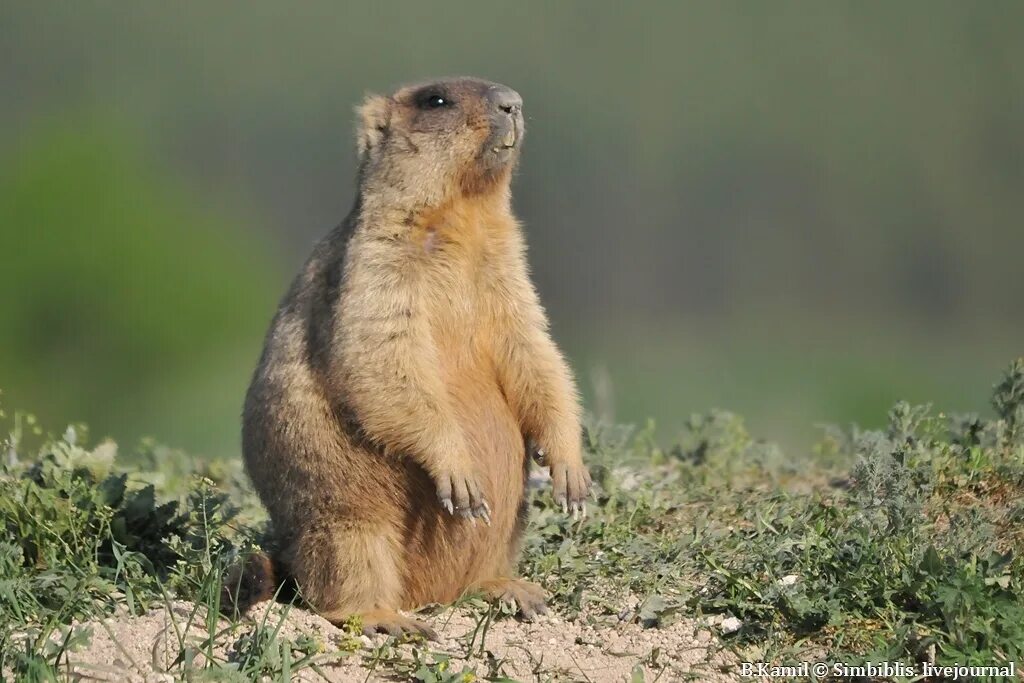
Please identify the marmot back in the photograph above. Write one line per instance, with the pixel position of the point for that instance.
(407, 368)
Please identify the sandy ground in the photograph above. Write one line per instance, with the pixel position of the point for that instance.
(144, 648)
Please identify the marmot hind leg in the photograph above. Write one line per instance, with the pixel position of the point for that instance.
(391, 622)
(349, 570)
(527, 597)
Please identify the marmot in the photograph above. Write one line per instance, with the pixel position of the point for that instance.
(407, 371)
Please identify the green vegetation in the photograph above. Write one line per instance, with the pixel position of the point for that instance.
(898, 544)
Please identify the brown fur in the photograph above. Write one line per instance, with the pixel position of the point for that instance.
(253, 579)
(410, 358)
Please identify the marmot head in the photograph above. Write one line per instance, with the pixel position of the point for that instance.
(431, 140)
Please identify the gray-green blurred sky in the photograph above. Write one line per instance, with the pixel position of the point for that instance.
(799, 210)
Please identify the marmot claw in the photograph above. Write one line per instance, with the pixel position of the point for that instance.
(461, 495)
(570, 484)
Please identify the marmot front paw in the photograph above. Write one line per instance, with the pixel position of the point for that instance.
(459, 493)
(570, 483)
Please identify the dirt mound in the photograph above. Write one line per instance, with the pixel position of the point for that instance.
(167, 642)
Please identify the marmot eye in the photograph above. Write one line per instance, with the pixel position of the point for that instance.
(435, 101)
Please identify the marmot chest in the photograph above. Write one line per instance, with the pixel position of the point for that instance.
(466, 341)
(457, 317)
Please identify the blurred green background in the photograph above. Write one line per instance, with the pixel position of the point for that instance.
(800, 211)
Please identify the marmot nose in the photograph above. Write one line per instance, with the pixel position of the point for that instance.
(506, 99)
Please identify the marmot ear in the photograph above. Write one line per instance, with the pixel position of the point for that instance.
(374, 116)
